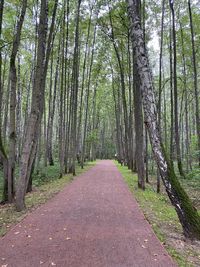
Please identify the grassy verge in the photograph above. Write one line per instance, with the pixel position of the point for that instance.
(162, 216)
(46, 185)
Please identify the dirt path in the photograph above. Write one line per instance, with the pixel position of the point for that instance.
(93, 222)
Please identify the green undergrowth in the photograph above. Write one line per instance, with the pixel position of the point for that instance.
(161, 215)
(45, 185)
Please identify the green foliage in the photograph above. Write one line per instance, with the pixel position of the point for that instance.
(194, 174)
(45, 175)
(92, 137)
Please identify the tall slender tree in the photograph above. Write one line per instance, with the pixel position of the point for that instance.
(196, 92)
(176, 110)
(13, 88)
(32, 130)
(188, 215)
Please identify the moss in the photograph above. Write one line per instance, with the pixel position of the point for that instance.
(190, 219)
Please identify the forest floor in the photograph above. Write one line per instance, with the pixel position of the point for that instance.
(163, 218)
(93, 221)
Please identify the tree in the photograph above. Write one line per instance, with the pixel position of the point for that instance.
(32, 130)
(13, 86)
(3, 155)
(196, 93)
(74, 92)
(188, 215)
(176, 122)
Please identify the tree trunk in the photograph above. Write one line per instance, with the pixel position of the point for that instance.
(123, 89)
(52, 112)
(188, 215)
(3, 155)
(188, 160)
(87, 97)
(74, 93)
(139, 130)
(196, 93)
(171, 99)
(32, 130)
(86, 54)
(13, 87)
(176, 123)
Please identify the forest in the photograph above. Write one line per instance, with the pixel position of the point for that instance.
(86, 80)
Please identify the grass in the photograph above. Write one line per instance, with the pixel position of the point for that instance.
(163, 218)
(45, 185)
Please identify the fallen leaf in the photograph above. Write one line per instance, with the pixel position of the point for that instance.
(16, 233)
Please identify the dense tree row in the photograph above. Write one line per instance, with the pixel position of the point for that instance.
(76, 84)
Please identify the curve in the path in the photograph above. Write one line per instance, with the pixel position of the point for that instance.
(93, 222)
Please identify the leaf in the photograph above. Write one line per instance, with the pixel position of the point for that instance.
(16, 233)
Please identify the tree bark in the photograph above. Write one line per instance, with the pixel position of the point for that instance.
(123, 89)
(13, 87)
(139, 130)
(176, 122)
(74, 92)
(188, 160)
(87, 97)
(196, 93)
(32, 130)
(3, 154)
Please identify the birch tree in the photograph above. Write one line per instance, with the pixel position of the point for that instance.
(188, 215)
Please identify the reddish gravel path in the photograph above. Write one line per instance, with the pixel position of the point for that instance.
(93, 222)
